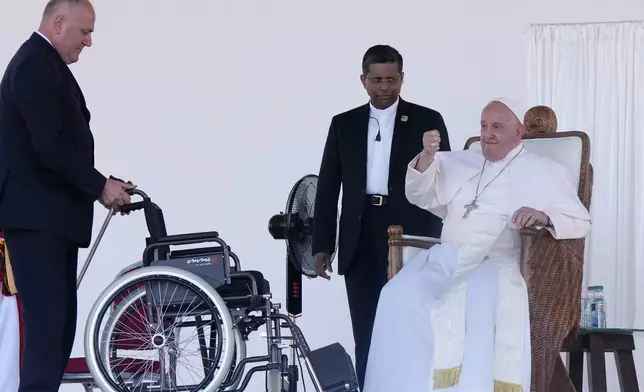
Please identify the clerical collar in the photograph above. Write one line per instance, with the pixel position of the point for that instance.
(515, 151)
(390, 111)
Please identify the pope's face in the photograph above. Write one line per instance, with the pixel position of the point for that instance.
(500, 131)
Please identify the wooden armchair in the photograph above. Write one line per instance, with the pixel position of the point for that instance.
(542, 258)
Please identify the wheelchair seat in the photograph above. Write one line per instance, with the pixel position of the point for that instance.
(239, 292)
(238, 283)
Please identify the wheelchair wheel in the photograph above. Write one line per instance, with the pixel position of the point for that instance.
(240, 354)
(133, 337)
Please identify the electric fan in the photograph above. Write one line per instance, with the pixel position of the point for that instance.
(332, 364)
(295, 226)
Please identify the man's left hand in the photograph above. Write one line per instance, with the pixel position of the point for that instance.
(526, 217)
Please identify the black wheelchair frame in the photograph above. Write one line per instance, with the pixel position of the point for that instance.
(240, 290)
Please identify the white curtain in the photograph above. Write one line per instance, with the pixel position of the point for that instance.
(592, 76)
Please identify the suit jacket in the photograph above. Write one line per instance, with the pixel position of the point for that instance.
(47, 177)
(344, 163)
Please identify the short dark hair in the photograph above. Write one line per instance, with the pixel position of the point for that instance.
(380, 54)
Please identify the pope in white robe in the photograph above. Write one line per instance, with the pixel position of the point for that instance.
(455, 318)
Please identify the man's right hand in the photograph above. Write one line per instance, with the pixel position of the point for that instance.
(431, 144)
(114, 194)
(322, 261)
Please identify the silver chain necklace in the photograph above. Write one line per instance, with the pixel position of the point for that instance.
(472, 205)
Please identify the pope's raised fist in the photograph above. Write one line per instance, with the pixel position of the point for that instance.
(431, 142)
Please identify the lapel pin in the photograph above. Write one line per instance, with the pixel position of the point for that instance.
(404, 118)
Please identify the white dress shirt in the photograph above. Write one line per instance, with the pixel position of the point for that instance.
(43, 36)
(378, 152)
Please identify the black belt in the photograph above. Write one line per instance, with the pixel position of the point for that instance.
(377, 200)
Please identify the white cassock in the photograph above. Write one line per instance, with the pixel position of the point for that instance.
(9, 341)
(455, 318)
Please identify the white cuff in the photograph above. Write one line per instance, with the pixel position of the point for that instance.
(431, 170)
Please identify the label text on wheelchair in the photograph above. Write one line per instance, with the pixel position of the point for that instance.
(199, 261)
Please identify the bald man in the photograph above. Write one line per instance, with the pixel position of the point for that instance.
(48, 185)
(455, 318)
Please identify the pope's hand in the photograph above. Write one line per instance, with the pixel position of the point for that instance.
(526, 217)
(431, 142)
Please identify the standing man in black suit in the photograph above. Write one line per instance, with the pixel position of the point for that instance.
(48, 185)
(367, 152)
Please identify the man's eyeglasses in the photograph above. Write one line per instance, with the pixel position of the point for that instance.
(378, 81)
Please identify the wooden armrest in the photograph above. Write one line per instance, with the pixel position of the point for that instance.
(417, 237)
(414, 242)
(398, 241)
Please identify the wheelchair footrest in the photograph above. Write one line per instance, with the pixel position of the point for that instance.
(334, 368)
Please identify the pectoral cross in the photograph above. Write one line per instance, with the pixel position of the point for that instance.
(469, 208)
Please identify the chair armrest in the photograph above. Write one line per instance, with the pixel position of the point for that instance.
(528, 235)
(417, 241)
(528, 232)
(403, 247)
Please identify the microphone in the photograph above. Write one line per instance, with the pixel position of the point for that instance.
(378, 138)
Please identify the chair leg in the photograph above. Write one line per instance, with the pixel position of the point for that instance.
(560, 381)
(597, 364)
(626, 371)
(576, 369)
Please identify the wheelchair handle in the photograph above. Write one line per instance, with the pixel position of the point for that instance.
(205, 236)
(138, 192)
(139, 205)
(153, 214)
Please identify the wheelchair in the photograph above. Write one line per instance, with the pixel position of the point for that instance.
(179, 319)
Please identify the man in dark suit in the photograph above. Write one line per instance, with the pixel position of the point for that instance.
(48, 185)
(367, 152)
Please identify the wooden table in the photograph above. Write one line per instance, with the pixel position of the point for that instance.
(597, 342)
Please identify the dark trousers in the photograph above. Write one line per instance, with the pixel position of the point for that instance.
(364, 279)
(44, 267)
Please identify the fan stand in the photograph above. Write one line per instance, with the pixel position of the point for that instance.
(294, 223)
(294, 310)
